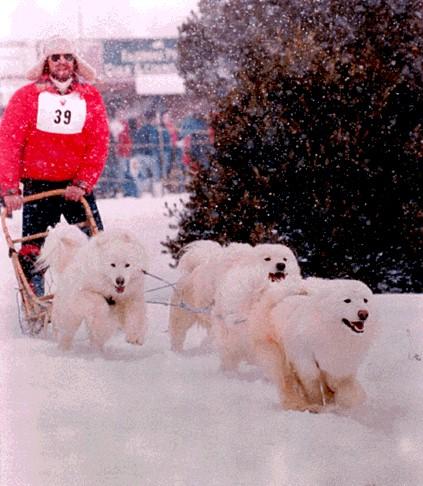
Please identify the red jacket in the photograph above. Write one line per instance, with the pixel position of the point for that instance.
(124, 142)
(70, 142)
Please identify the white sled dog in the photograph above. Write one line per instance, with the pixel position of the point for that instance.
(207, 265)
(100, 282)
(312, 345)
(242, 285)
(201, 265)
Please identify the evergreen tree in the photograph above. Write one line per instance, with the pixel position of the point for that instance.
(319, 133)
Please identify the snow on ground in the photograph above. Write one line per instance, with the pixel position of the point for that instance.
(141, 416)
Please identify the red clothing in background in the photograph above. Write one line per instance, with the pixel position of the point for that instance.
(124, 142)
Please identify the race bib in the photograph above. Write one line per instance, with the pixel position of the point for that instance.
(61, 113)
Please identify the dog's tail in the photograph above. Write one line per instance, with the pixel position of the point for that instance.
(197, 252)
(60, 246)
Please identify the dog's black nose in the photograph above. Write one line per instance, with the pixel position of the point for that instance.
(120, 281)
(280, 267)
(362, 315)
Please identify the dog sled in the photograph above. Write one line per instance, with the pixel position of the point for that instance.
(35, 311)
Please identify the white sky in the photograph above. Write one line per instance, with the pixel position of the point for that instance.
(35, 19)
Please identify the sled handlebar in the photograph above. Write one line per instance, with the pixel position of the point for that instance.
(90, 221)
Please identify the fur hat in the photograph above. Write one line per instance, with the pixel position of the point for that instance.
(59, 45)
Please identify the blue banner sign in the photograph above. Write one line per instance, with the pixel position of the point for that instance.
(131, 57)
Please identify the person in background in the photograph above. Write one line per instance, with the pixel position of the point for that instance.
(109, 184)
(176, 172)
(166, 149)
(112, 177)
(124, 152)
(54, 135)
(131, 185)
(147, 152)
(196, 145)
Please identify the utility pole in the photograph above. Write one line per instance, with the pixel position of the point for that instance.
(80, 22)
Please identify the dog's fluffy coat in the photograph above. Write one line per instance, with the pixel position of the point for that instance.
(205, 264)
(193, 297)
(312, 345)
(241, 284)
(101, 283)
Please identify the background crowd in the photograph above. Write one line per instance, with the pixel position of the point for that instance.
(154, 153)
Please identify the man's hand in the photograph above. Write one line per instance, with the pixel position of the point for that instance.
(73, 193)
(13, 202)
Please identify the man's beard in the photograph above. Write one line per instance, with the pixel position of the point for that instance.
(61, 78)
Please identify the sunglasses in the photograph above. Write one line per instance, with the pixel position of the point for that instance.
(66, 57)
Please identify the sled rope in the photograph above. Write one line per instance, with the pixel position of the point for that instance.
(235, 322)
(158, 278)
(159, 288)
(183, 305)
(194, 310)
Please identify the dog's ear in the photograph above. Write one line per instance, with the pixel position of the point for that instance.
(70, 242)
(99, 239)
(294, 250)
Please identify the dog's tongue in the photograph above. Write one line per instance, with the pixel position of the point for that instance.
(359, 325)
(275, 277)
(119, 289)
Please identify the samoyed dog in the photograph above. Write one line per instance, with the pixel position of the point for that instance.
(312, 345)
(268, 265)
(205, 263)
(99, 281)
(274, 270)
(201, 265)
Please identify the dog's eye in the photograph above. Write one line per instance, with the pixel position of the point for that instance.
(366, 300)
(127, 265)
(113, 265)
(285, 259)
(267, 259)
(347, 301)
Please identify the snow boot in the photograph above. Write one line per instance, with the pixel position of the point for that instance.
(28, 255)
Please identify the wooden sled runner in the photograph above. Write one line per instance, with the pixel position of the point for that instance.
(35, 310)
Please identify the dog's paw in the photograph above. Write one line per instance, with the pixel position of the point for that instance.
(300, 405)
(135, 340)
(314, 408)
(176, 348)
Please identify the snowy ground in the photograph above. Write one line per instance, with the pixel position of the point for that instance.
(146, 416)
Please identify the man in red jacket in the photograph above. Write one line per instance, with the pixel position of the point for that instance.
(54, 134)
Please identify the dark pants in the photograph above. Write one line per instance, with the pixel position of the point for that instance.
(39, 215)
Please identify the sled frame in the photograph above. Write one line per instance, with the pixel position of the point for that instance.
(37, 309)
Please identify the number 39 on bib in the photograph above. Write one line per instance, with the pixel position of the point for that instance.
(64, 114)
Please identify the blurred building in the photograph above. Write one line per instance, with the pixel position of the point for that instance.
(141, 73)
(136, 75)
(15, 59)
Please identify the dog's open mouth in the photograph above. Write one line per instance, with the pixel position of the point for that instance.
(356, 326)
(277, 276)
(120, 288)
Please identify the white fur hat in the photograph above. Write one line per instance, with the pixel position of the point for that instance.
(59, 45)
